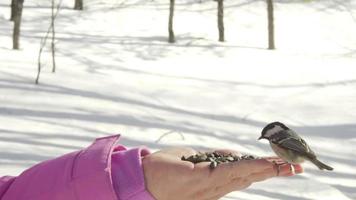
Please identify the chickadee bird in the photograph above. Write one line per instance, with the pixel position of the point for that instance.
(289, 146)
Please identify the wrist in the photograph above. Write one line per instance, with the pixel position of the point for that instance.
(128, 176)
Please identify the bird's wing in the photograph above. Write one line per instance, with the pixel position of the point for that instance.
(296, 144)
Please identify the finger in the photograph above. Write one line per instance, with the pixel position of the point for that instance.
(261, 176)
(252, 170)
(242, 168)
(226, 172)
(228, 177)
(298, 169)
(293, 170)
(275, 160)
(288, 169)
(285, 170)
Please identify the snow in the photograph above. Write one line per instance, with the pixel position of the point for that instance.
(116, 73)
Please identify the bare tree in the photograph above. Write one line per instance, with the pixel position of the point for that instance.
(18, 4)
(221, 20)
(13, 10)
(78, 4)
(171, 38)
(51, 29)
(270, 16)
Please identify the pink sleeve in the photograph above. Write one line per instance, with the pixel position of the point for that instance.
(127, 174)
(102, 171)
(5, 183)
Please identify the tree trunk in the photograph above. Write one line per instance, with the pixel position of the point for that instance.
(221, 20)
(17, 23)
(171, 38)
(271, 44)
(13, 10)
(78, 5)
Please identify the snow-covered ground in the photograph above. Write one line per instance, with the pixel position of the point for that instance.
(117, 74)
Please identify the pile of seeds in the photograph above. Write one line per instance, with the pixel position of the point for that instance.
(216, 158)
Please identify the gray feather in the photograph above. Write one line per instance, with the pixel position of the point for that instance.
(288, 139)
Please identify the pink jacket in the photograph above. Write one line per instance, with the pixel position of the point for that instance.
(102, 171)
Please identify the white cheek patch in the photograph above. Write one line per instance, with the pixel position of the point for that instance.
(273, 131)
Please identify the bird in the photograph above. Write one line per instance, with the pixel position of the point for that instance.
(289, 146)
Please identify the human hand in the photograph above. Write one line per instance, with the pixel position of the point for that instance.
(169, 178)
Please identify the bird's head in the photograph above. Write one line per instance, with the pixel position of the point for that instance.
(271, 129)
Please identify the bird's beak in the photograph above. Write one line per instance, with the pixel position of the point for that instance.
(260, 138)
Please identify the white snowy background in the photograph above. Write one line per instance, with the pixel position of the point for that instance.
(116, 73)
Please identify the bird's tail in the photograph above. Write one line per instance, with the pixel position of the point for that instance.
(321, 165)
